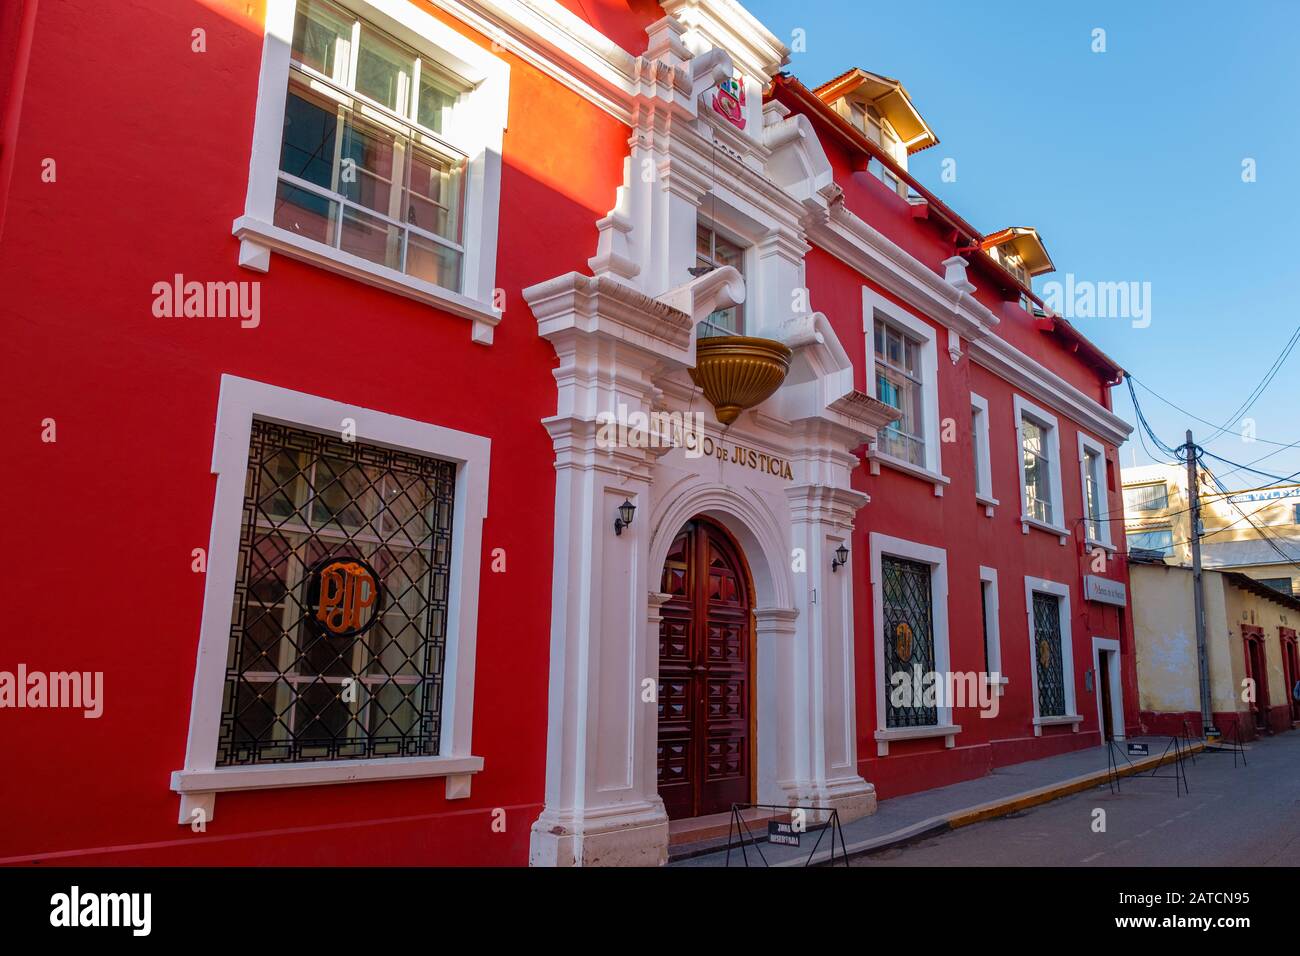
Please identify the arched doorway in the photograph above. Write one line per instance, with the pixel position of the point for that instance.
(1257, 669)
(705, 757)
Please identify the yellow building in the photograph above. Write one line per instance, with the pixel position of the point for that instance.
(1255, 532)
(1250, 638)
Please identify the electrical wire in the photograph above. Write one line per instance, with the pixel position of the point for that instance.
(1204, 421)
(1264, 383)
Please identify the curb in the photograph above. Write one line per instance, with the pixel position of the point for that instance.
(992, 809)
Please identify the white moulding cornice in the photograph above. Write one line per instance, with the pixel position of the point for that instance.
(1042, 384)
(727, 24)
(603, 305)
(557, 42)
(866, 250)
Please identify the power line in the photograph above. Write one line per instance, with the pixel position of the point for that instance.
(1272, 542)
(1204, 421)
(1264, 383)
(1240, 467)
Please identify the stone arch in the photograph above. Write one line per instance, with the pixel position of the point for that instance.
(756, 529)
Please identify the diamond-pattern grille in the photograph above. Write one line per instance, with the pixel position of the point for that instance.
(908, 638)
(293, 691)
(1047, 655)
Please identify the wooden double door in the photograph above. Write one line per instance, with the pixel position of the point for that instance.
(705, 667)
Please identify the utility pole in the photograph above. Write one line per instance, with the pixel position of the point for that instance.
(1198, 587)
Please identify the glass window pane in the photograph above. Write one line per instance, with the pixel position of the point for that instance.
(321, 35)
(728, 254)
(384, 70)
(365, 236)
(704, 243)
(305, 213)
(426, 259)
(433, 197)
(310, 128)
(366, 161)
(436, 98)
(1160, 540)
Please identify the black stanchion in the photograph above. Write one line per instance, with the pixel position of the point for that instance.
(1180, 771)
(1230, 741)
(1188, 740)
(781, 830)
(1112, 765)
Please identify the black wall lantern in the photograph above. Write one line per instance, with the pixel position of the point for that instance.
(626, 511)
(841, 558)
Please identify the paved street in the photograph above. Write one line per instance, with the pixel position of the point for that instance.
(1249, 816)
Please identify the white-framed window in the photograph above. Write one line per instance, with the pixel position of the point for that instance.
(1051, 649)
(905, 376)
(303, 679)
(1038, 440)
(1150, 497)
(712, 251)
(989, 614)
(909, 592)
(982, 459)
(1152, 539)
(377, 152)
(1092, 479)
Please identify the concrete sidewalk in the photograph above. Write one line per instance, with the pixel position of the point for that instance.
(1003, 791)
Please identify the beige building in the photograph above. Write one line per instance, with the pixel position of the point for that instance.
(1250, 645)
(1255, 532)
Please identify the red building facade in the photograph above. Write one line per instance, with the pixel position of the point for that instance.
(390, 368)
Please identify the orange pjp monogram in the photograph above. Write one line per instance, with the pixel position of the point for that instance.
(346, 589)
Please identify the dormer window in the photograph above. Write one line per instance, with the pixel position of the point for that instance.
(713, 251)
(1014, 264)
(1020, 251)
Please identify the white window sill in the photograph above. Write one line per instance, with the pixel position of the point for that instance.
(876, 458)
(1106, 546)
(883, 737)
(258, 239)
(1027, 522)
(198, 788)
(1041, 722)
(989, 503)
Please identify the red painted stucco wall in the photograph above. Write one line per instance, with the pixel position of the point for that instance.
(152, 144)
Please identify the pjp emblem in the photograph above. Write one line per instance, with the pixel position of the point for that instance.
(343, 597)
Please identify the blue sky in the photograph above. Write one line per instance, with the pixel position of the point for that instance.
(1129, 162)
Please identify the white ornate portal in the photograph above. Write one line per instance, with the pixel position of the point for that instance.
(778, 479)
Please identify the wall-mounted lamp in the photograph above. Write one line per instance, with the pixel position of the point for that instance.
(626, 511)
(841, 558)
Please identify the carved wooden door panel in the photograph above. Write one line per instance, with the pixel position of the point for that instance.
(704, 675)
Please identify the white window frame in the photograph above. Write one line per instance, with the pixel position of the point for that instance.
(1062, 593)
(927, 338)
(240, 401)
(1089, 444)
(1102, 645)
(992, 627)
(479, 123)
(937, 558)
(1046, 420)
(747, 261)
(1139, 512)
(1128, 533)
(983, 456)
